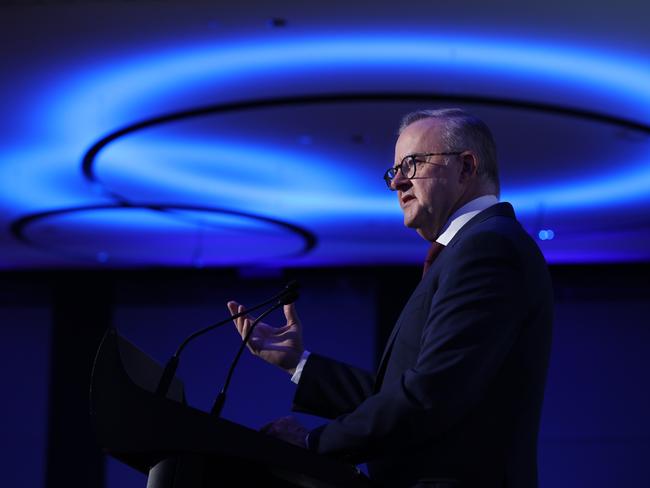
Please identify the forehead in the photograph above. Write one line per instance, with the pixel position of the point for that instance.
(419, 137)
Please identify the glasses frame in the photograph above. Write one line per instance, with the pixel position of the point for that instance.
(416, 158)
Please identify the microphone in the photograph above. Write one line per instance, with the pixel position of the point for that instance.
(289, 292)
(290, 296)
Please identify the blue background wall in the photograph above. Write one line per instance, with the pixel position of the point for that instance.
(595, 428)
(24, 335)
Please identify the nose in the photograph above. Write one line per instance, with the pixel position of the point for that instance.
(400, 182)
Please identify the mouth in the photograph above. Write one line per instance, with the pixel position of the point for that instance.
(406, 199)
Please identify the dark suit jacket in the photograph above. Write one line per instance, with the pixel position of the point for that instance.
(459, 390)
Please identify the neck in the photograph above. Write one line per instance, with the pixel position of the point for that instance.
(468, 196)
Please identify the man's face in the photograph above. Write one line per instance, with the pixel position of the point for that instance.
(431, 197)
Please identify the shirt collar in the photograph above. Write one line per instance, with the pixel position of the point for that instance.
(463, 215)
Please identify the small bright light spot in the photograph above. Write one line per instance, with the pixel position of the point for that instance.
(546, 234)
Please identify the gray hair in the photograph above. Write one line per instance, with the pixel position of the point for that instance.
(463, 131)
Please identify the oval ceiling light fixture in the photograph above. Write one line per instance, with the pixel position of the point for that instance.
(95, 100)
(137, 88)
(329, 196)
(208, 235)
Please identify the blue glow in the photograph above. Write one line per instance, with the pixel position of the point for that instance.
(37, 179)
(146, 79)
(631, 184)
(90, 101)
(152, 76)
(263, 180)
(546, 234)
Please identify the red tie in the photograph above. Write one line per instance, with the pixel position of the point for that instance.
(434, 250)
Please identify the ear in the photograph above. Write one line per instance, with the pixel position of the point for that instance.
(468, 166)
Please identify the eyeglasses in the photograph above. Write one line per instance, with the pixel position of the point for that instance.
(409, 164)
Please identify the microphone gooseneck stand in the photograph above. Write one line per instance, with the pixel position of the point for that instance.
(185, 469)
(289, 297)
(172, 365)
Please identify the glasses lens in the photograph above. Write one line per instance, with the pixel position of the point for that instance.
(389, 176)
(408, 167)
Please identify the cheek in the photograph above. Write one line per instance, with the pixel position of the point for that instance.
(427, 190)
(435, 188)
(439, 183)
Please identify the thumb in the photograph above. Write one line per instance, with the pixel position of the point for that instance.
(291, 314)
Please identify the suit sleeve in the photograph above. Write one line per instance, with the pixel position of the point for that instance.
(472, 324)
(329, 388)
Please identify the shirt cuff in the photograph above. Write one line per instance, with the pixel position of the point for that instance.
(312, 440)
(301, 364)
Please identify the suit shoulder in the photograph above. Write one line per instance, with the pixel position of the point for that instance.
(498, 235)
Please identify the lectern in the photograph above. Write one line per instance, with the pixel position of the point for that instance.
(178, 446)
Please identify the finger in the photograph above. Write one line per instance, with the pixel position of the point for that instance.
(232, 307)
(235, 308)
(240, 310)
(244, 322)
(246, 326)
(246, 330)
(291, 314)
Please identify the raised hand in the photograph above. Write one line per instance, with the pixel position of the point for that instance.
(281, 346)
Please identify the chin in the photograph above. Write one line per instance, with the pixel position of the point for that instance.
(409, 222)
(410, 218)
(424, 230)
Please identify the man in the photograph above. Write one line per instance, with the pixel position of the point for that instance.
(457, 396)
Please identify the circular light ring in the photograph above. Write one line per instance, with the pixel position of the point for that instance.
(19, 226)
(157, 74)
(89, 158)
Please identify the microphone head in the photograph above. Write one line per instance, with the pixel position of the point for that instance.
(293, 285)
(288, 297)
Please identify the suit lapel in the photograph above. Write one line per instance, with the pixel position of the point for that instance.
(381, 370)
(499, 210)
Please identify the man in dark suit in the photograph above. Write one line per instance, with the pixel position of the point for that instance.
(458, 393)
